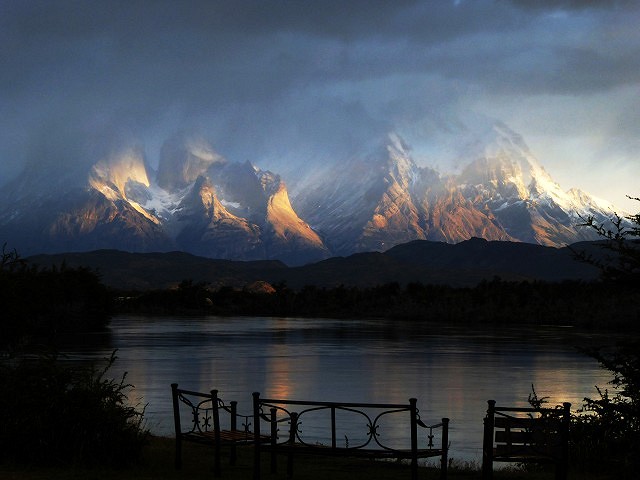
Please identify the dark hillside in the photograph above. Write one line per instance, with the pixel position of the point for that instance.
(144, 271)
(504, 259)
(463, 264)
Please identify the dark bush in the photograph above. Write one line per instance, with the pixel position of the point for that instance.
(606, 431)
(621, 239)
(41, 303)
(56, 414)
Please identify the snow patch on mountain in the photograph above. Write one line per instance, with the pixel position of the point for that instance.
(235, 205)
(162, 203)
(201, 202)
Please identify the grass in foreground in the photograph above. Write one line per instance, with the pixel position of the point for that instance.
(157, 464)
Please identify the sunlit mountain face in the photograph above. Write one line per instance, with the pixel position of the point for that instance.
(200, 202)
(502, 194)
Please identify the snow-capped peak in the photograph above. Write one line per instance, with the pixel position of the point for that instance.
(207, 205)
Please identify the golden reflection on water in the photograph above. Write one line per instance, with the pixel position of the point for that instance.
(452, 373)
(278, 367)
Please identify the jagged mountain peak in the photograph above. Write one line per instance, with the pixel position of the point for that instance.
(202, 203)
(503, 193)
(503, 168)
(271, 183)
(288, 227)
(201, 191)
(508, 173)
(581, 199)
(201, 200)
(257, 221)
(123, 176)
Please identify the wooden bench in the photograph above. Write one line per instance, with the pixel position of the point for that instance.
(200, 414)
(526, 435)
(366, 430)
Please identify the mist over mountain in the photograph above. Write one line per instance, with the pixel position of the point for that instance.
(502, 193)
(202, 203)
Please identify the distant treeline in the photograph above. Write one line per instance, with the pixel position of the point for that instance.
(41, 303)
(37, 304)
(576, 303)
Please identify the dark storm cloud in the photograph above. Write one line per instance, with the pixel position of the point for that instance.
(142, 39)
(209, 52)
(133, 20)
(571, 4)
(288, 80)
(126, 65)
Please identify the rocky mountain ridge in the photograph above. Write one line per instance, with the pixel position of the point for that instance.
(502, 194)
(202, 203)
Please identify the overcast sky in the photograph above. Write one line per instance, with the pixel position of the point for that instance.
(306, 82)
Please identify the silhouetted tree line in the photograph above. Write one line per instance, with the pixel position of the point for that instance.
(494, 301)
(612, 301)
(620, 236)
(44, 302)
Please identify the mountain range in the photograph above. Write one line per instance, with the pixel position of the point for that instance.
(204, 204)
(464, 264)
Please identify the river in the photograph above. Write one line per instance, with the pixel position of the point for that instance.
(452, 371)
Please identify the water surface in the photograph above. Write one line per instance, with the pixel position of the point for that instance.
(451, 371)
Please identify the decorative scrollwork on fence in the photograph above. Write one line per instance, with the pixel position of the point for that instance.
(371, 433)
(201, 414)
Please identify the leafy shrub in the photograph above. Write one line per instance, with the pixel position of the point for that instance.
(606, 431)
(52, 413)
(620, 236)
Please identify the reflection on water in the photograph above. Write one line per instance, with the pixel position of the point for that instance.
(451, 371)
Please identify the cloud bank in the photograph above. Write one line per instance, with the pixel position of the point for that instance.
(293, 85)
